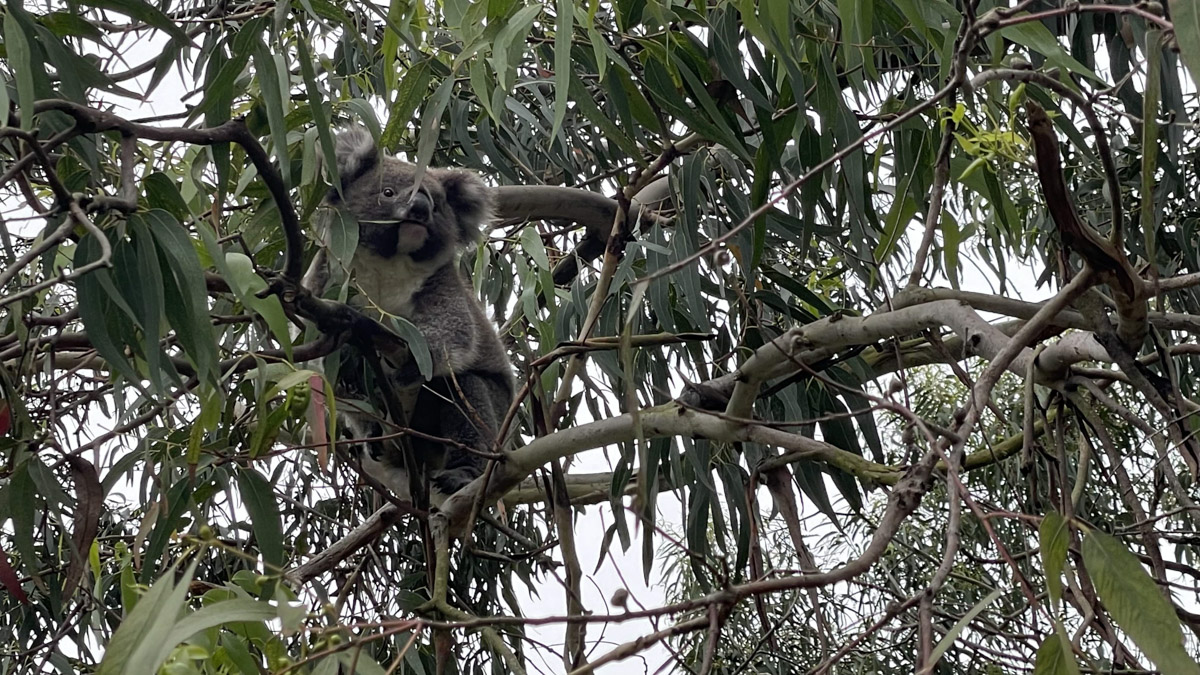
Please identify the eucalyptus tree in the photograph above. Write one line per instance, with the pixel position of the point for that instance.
(894, 300)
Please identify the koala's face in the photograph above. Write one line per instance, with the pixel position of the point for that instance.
(429, 220)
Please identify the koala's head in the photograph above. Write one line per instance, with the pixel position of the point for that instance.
(432, 219)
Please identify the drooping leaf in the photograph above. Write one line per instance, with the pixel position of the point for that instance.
(273, 100)
(1185, 15)
(106, 322)
(417, 345)
(564, 27)
(88, 506)
(1055, 537)
(185, 290)
(22, 502)
(144, 12)
(316, 104)
(17, 38)
(260, 503)
(958, 627)
(1136, 603)
(177, 499)
(1036, 36)
(409, 94)
(140, 278)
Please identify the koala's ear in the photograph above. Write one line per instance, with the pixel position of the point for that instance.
(470, 199)
(356, 153)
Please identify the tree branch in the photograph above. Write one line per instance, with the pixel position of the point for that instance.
(90, 121)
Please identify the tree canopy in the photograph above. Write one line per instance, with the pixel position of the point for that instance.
(896, 300)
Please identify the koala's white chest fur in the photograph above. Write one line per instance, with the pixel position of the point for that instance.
(391, 283)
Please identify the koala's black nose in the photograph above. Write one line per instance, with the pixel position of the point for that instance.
(420, 207)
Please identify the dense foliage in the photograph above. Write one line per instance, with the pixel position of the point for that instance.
(877, 315)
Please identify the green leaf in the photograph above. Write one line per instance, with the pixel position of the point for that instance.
(246, 284)
(515, 28)
(219, 86)
(728, 57)
(531, 244)
(316, 103)
(361, 663)
(70, 24)
(270, 421)
(1136, 603)
(758, 197)
(21, 504)
(273, 100)
(20, 59)
(584, 102)
(291, 613)
(1149, 222)
(952, 238)
(236, 646)
(162, 192)
(177, 501)
(106, 327)
(707, 120)
(186, 292)
(150, 294)
(342, 231)
(417, 345)
(292, 378)
(1054, 656)
(409, 95)
(1035, 35)
(260, 503)
(129, 586)
(1055, 536)
(140, 636)
(211, 407)
(1185, 14)
(145, 13)
(431, 120)
(856, 17)
(564, 29)
(390, 45)
(949, 638)
(236, 610)
(366, 115)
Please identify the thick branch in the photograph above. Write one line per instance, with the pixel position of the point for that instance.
(1089, 113)
(592, 210)
(1108, 260)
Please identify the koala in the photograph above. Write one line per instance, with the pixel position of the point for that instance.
(406, 265)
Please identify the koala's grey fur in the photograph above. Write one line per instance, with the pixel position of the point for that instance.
(406, 264)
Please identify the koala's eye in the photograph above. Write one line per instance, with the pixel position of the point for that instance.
(389, 192)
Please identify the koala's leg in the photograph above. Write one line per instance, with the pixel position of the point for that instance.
(378, 459)
(466, 409)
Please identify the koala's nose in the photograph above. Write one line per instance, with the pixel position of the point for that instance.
(420, 207)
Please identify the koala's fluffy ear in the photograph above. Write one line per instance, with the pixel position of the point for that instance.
(356, 153)
(470, 199)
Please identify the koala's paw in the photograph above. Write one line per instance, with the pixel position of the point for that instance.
(450, 481)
